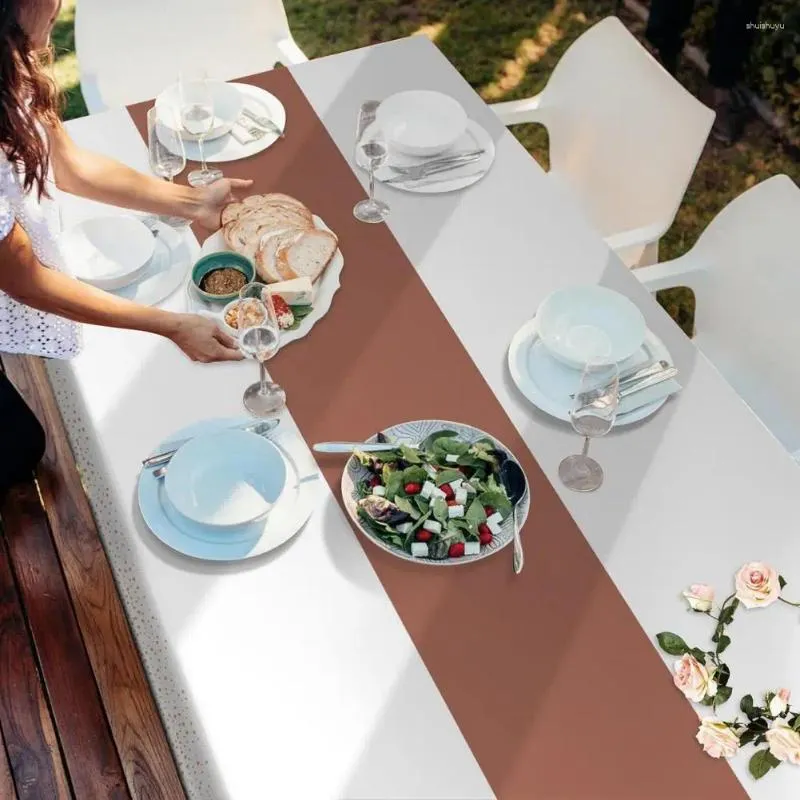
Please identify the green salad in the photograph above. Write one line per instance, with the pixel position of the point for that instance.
(443, 499)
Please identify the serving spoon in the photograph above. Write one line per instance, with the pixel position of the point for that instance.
(513, 480)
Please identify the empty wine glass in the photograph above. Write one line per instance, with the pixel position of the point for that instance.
(165, 150)
(259, 335)
(197, 118)
(593, 413)
(372, 144)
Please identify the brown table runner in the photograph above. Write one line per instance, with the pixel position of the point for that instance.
(548, 674)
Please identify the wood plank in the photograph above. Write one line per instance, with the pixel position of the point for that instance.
(7, 790)
(86, 742)
(130, 708)
(30, 739)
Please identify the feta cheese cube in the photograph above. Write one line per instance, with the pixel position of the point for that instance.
(461, 496)
(494, 526)
(456, 485)
(455, 511)
(419, 549)
(405, 527)
(427, 490)
(379, 490)
(432, 525)
(451, 458)
(472, 548)
(469, 487)
(431, 470)
(437, 493)
(496, 517)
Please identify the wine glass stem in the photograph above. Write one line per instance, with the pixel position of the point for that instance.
(585, 450)
(371, 181)
(264, 378)
(203, 166)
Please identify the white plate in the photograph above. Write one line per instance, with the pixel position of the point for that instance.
(227, 100)
(548, 383)
(421, 122)
(324, 290)
(166, 271)
(579, 323)
(226, 148)
(413, 433)
(108, 252)
(226, 479)
(198, 541)
(475, 137)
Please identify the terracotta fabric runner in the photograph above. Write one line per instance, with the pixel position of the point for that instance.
(549, 676)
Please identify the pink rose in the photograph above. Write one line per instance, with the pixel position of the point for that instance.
(757, 585)
(718, 740)
(780, 702)
(784, 743)
(699, 597)
(692, 678)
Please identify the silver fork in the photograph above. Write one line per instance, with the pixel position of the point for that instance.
(424, 170)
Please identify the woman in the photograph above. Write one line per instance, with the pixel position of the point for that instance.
(40, 306)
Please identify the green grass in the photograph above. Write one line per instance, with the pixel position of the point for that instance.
(506, 50)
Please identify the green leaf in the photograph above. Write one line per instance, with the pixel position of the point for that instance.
(410, 454)
(760, 764)
(450, 445)
(723, 695)
(746, 704)
(440, 509)
(475, 513)
(447, 476)
(726, 615)
(394, 483)
(796, 723)
(672, 643)
(722, 643)
(414, 474)
(698, 654)
(496, 498)
(404, 504)
(781, 581)
(422, 504)
(707, 701)
(747, 737)
(428, 442)
(722, 675)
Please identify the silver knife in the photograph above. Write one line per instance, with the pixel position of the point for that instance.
(634, 374)
(653, 380)
(435, 162)
(261, 428)
(442, 179)
(264, 122)
(349, 447)
(427, 171)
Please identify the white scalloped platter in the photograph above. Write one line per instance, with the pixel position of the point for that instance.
(412, 433)
(325, 288)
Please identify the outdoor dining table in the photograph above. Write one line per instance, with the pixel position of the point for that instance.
(330, 669)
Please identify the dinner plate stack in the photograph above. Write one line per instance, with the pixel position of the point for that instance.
(229, 494)
(575, 326)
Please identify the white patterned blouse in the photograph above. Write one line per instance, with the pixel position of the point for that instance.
(24, 329)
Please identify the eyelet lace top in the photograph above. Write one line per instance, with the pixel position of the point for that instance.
(24, 329)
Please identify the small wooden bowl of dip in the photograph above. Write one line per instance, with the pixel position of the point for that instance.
(218, 277)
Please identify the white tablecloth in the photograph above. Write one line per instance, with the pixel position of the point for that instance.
(292, 677)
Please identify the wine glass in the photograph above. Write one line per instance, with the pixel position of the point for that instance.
(197, 118)
(372, 144)
(259, 335)
(593, 413)
(165, 150)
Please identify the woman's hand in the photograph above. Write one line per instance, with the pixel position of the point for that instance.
(203, 340)
(214, 197)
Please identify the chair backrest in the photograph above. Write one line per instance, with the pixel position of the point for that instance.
(129, 50)
(624, 134)
(748, 295)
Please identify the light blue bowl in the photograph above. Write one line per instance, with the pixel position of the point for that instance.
(220, 260)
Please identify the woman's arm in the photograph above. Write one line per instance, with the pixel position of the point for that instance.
(25, 279)
(97, 177)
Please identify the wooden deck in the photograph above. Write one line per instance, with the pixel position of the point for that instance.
(77, 718)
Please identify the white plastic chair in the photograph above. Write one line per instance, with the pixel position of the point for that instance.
(129, 50)
(624, 136)
(745, 274)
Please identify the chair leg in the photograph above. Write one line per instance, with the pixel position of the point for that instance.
(649, 255)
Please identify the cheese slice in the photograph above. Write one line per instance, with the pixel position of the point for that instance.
(296, 292)
(419, 549)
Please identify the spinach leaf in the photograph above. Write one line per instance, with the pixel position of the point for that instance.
(447, 476)
(414, 474)
(427, 443)
(440, 509)
(410, 454)
(404, 504)
(394, 484)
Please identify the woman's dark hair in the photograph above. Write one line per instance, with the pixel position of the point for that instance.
(28, 95)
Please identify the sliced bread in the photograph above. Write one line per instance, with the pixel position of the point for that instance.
(269, 246)
(307, 256)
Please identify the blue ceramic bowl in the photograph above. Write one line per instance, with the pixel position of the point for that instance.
(221, 260)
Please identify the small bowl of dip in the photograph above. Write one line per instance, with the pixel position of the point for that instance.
(218, 277)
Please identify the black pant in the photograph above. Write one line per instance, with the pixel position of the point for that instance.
(730, 40)
(22, 439)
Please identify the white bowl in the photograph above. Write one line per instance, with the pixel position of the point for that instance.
(228, 103)
(226, 479)
(421, 122)
(590, 323)
(108, 252)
